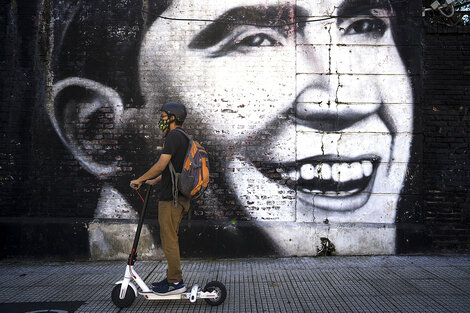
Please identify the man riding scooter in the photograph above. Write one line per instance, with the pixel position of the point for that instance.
(172, 116)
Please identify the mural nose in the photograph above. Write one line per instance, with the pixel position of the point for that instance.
(318, 107)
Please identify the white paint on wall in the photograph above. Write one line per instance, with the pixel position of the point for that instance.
(313, 122)
(111, 234)
(347, 103)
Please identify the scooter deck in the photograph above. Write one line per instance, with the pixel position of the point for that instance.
(194, 294)
(153, 296)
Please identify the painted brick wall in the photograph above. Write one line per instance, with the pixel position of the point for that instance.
(65, 169)
(446, 136)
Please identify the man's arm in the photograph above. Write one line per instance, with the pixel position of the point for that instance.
(154, 181)
(154, 171)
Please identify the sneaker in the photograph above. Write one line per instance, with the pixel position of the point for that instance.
(164, 281)
(166, 288)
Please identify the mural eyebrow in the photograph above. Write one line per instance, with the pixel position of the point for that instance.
(361, 7)
(280, 17)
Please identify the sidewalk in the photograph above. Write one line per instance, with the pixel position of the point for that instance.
(321, 284)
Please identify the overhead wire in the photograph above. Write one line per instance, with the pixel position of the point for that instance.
(237, 23)
(245, 24)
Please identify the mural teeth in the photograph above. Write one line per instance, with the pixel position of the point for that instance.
(367, 168)
(335, 172)
(314, 191)
(349, 171)
(342, 193)
(345, 172)
(323, 170)
(307, 171)
(338, 172)
(292, 175)
(356, 171)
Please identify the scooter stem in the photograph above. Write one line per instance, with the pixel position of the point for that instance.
(133, 254)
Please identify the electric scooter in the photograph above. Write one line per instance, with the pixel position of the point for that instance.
(125, 291)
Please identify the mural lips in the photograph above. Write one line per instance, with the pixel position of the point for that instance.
(346, 181)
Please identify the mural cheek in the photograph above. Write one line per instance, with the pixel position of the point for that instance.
(367, 60)
(390, 178)
(242, 85)
(262, 198)
(238, 105)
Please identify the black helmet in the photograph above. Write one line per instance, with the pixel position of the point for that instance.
(176, 109)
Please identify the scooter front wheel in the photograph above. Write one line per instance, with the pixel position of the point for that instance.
(128, 298)
(220, 289)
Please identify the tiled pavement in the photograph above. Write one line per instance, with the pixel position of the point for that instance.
(320, 284)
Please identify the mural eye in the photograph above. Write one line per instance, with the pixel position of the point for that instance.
(258, 40)
(366, 27)
(246, 40)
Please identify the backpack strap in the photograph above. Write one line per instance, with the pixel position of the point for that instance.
(174, 180)
(190, 143)
(184, 133)
(176, 176)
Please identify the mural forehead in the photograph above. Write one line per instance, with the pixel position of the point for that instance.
(214, 8)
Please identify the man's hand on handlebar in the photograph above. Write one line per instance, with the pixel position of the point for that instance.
(135, 184)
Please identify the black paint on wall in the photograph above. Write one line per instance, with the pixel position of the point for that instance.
(446, 143)
(47, 198)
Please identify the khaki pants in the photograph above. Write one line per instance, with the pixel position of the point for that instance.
(169, 218)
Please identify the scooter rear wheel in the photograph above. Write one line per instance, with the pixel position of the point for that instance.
(221, 291)
(128, 298)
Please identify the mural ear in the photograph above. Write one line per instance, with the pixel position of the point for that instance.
(87, 117)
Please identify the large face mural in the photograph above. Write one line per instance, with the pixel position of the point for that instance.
(305, 106)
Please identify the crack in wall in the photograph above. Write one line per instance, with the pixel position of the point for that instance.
(329, 61)
(145, 10)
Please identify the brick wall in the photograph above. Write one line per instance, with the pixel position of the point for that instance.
(446, 145)
(49, 199)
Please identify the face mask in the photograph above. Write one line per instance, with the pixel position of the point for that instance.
(163, 125)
